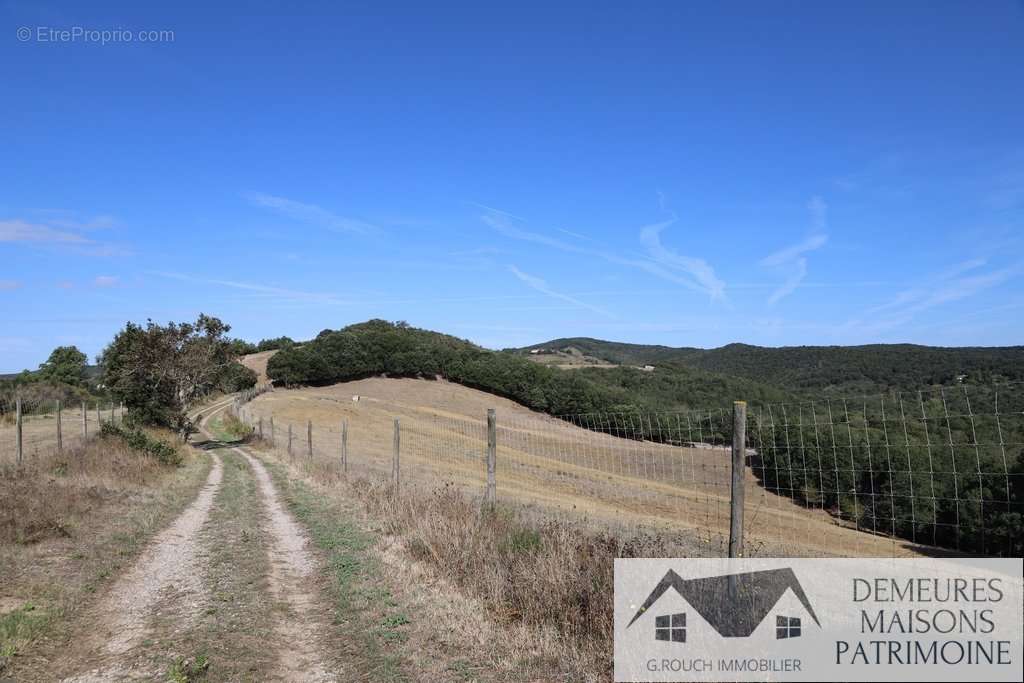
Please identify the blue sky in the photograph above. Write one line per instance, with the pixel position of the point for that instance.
(678, 173)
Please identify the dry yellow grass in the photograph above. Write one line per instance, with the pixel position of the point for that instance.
(68, 522)
(549, 465)
(39, 433)
(257, 362)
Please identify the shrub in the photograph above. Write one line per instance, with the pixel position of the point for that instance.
(140, 441)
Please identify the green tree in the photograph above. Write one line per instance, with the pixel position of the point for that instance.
(160, 370)
(66, 365)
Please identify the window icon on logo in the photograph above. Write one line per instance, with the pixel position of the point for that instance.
(671, 627)
(787, 627)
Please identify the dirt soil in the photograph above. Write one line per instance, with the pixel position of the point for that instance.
(265, 575)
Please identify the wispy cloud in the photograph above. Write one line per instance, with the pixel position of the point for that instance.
(702, 273)
(60, 230)
(9, 285)
(23, 231)
(542, 287)
(310, 213)
(693, 273)
(791, 260)
(256, 288)
(105, 281)
(72, 220)
(794, 251)
(955, 283)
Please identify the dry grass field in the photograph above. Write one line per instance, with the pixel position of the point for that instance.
(39, 432)
(257, 362)
(547, 465)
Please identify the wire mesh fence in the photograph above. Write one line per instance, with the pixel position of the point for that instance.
(31, 428)
(883, 475)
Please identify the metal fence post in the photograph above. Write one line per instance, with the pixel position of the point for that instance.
(60, 435)
(273, 434)
(344, 446)
(289, 439)
(309, 438)
(17, 421)
(739, 453)
(85, 422)
(395, 469)
(111, 412)
(260, 428)
(99, 418)
(490, 496)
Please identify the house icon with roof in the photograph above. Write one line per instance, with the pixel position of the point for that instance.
(734, 605)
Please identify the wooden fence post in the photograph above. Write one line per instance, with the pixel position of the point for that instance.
(273, 434)
(395, 468)
(490, 495)
(739, 469)
(17, 422)
(99, 418)
(289, 439)
(309, 438)
(260, 428)
(344, 446)
(85, 422)
(60, 435)
(111, 412)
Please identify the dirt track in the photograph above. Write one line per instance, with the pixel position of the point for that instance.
(164, 608)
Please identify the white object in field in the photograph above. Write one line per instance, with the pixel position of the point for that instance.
(356, 398)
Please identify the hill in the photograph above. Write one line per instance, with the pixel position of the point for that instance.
(817, 369)
(378, 347)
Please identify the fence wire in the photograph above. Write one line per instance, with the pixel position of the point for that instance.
(885, 475)
(48, 426)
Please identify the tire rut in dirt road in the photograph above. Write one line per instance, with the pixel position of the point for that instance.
(298, 629)
(169, 570)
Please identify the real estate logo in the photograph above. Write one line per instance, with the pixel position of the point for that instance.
(838, 619)
(734, 605)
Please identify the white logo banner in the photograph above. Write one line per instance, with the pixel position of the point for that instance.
(905, 619)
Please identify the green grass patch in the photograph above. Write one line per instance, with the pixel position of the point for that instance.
(189, 670)
(20, 626)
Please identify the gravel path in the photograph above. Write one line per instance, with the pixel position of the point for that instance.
(158, 606)
(169, 570)
(291, 569)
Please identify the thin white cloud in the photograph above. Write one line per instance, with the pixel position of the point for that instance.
(797, 272)
(310, 213)
(663, 263)
(23, 231)
(951, 285)
(570, 233)
(819, 212)
(794, 251)
(791, 261)
(9, 285)
(70, 220)
(256, 288)
(699, 269)
(542, 287)
(105, 281)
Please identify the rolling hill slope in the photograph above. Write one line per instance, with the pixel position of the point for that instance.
(852, 369)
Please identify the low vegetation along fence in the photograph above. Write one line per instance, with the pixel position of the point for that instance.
(29, 429)
(882, 475)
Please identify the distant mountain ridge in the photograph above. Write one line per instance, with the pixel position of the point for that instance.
(801, 368)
